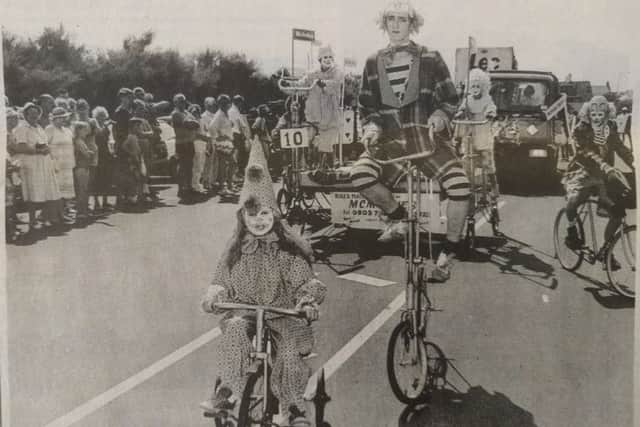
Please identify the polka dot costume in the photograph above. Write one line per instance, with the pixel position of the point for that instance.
(265, 274)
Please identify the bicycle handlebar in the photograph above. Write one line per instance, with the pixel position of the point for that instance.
(294, 88)
(470, 122)
(266, 308)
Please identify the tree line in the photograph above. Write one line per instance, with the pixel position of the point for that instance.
(53, 61)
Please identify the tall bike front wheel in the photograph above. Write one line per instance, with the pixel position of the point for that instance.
(621, 262)
(570, 259)
(407, 364)
(256, 408)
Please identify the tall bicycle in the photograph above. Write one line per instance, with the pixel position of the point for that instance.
(415, 366)
(618, 253)
(292, 201)
(482, 200)
(258, 405)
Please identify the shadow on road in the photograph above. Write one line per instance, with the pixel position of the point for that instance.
(604, 295)
(474, 408)
(509, 256)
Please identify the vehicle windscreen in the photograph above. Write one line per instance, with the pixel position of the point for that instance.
(519, 95)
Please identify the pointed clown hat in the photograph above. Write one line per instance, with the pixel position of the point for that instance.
(257, 179)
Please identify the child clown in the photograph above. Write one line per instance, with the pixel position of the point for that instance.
(265, 263)
(478, 105)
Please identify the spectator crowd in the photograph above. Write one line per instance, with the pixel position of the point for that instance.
(68, 163)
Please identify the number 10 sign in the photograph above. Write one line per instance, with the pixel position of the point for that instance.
(294, 138)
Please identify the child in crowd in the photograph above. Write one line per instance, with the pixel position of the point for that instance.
(136, 169)
(85, 151)
(265, 263)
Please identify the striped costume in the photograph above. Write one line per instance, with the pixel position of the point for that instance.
(401, 88)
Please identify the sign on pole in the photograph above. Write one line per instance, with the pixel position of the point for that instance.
(301, 35)
(306, 35)
(556, 107)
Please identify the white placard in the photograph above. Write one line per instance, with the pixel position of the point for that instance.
(353, 210)
(294, 138)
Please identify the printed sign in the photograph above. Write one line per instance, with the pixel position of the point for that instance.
(556, 107)
(353, 210)
(294, 138)
(300, 34)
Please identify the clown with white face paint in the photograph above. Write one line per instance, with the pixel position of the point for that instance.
(478, 105)
(322, 108)
(597, 142)
(406, 91)
(265, 263)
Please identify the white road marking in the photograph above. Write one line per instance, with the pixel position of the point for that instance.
(361, 337)
(367, 280)
(332, 365)
(114, 392)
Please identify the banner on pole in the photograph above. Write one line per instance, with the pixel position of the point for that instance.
(556, 107)
(306, 35)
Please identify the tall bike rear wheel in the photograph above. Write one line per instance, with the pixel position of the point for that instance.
(621, 262)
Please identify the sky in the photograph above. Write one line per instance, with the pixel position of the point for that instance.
(592, 40)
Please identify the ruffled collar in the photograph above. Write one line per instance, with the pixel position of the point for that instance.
(391, 50)
(251, 243)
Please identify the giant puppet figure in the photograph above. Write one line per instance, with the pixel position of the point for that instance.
(406, 89)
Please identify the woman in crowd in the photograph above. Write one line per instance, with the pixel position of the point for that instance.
(47, 103)
(37, 169)
(200, 152)
(145, 135)
(221, 133)
(261, 131)
(210, 172)
(84, 115)
(103, 183)
(60, 140)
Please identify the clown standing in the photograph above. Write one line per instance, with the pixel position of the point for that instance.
(592, 170)
(478, 105)
(265, 263)
(322, 108)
